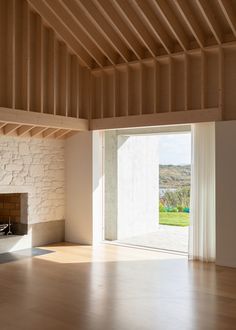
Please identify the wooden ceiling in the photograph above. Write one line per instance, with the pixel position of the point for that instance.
(34, 131)
(108, 32)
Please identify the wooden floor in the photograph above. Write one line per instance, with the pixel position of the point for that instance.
(115, 288)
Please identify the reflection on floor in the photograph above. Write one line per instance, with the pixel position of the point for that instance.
(115, 288)
(172, 238)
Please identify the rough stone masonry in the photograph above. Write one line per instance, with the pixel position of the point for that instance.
(35, 166)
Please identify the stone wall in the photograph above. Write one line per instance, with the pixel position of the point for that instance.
(34, 166)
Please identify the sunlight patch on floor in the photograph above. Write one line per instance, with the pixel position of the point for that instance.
(68, 253)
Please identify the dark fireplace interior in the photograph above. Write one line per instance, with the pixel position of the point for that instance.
(13, 214)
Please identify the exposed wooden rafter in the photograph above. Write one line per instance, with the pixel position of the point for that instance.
(36, 131)
(229, 13)
(72, 65)
(90, 30)
(23, 130)
(210, 19)
(38, 119)
(41, 7)
(104, 28)
(22, 123)
(58, 9)
(102, 33)
(125, 10)
(172, 22)
(9, 128)
(61, 133)
(111, 15)
(49, 132)
(155, 25)
(190, 20)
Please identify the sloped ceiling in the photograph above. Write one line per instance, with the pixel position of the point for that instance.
(108, 32)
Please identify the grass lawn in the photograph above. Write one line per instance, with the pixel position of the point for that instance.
(174, 219)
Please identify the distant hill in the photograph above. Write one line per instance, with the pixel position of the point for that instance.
(174, 176)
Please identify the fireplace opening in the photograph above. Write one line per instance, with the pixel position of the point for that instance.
(13, 214)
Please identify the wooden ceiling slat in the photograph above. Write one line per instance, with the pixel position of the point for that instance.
(190, 20)
(75, 30)
(229, 14)
(2, 124)
(91, 31)
(62, 32)
(210, 19)
(172, 22)
(37, 131)
(21, 117)
(124, 32)
(49, 132)
(104, 33)
(24, 129)
(155, 25)
(136, 24)
(59, 134)
(103, 26)
(9, 128)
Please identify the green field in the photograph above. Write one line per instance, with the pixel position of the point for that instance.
(174, 219)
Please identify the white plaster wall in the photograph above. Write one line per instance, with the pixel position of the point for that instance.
(137, 185)
(79, 189)
(35, 166)
(98, 186)
(84, 188)
(226, 193)
(110, 186)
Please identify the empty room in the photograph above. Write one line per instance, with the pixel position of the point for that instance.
(117, 164)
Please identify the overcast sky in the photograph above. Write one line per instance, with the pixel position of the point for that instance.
(175, 149)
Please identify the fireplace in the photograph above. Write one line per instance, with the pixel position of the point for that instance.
(13, 211)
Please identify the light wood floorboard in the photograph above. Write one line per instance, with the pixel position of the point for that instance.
(115, 288)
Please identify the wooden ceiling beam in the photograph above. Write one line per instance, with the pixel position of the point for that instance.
(155, 119)
(37, 131)
(24, 129)
(172, 22)
(111, 15)
(104, 27)
(2, 124)
(2, 128)
(229, 14)
(190, 20)
(10, 128)
(59, 134)
(65, 18)
(210, 19)
(154, 25)
(43, 10)
(49, 132)
(22, 117)
(132, 19)
(90, 30)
